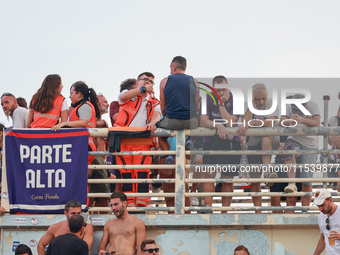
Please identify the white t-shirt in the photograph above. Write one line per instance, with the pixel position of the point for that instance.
(334, 222)
(20, 116)
(254, 140)
(140, 120)
(309, 141)
(333, 121)
(64, 106)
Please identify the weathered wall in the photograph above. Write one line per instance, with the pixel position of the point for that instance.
(291, 234)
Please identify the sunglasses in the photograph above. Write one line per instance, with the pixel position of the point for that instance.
(7, 94)
(152, 250)
(328, 227)
(75, 203)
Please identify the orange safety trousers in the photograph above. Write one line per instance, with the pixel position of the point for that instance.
(135, 173)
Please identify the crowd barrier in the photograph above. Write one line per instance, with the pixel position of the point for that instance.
(180, 165)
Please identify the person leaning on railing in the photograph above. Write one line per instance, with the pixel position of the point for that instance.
(334, 141)
(85, 112)
(260, 102)
(222, 139)
(280, 186)
(304, 142)
(101, 145)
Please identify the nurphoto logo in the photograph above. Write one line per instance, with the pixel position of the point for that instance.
(239, 103)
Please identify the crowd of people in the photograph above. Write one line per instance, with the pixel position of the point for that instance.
(178, 107)
(126, 234)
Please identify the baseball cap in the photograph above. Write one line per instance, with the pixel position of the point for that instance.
(320, 196)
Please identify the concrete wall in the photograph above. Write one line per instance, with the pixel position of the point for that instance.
(198, 234)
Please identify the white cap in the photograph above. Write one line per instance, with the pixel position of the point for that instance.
(320, 196)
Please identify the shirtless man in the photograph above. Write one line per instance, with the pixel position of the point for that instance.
(125, 232)
(71, 208)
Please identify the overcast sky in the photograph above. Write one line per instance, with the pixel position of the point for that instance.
(106, 42)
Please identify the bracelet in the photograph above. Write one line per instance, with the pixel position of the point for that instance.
(141, 90)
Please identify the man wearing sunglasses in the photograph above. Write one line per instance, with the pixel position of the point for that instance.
(149, 247)
(11, 108)
(71, 208)
(329, 223)
(70, 243)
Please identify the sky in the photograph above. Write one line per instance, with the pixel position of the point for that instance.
(105, 42)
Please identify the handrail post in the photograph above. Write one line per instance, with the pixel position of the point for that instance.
(4, 196)
(180, 172)
(326, 99)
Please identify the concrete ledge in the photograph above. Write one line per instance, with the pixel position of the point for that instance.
(156, 220)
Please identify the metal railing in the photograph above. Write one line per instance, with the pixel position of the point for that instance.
(179, 194)
(180, 181)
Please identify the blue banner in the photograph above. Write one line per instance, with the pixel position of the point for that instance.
(45, 169)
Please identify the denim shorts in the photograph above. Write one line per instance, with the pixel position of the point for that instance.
(305, 159)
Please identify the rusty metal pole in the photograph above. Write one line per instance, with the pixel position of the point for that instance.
(180, 172)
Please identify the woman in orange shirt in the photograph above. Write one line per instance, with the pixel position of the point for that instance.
(48, 105)
(85, 112)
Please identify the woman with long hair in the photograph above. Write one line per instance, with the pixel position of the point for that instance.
(85, 112)
(84, 115)
(48, 106)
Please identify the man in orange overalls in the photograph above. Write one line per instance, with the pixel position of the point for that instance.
(137, 109)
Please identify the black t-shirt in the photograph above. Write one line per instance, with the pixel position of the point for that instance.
(68, 244)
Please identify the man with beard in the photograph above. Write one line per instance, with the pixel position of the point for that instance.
(71, 208)
(125, 232)
(260, 102)
(329, 223)
(70, 243)
(101, 145)
(11, 108)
